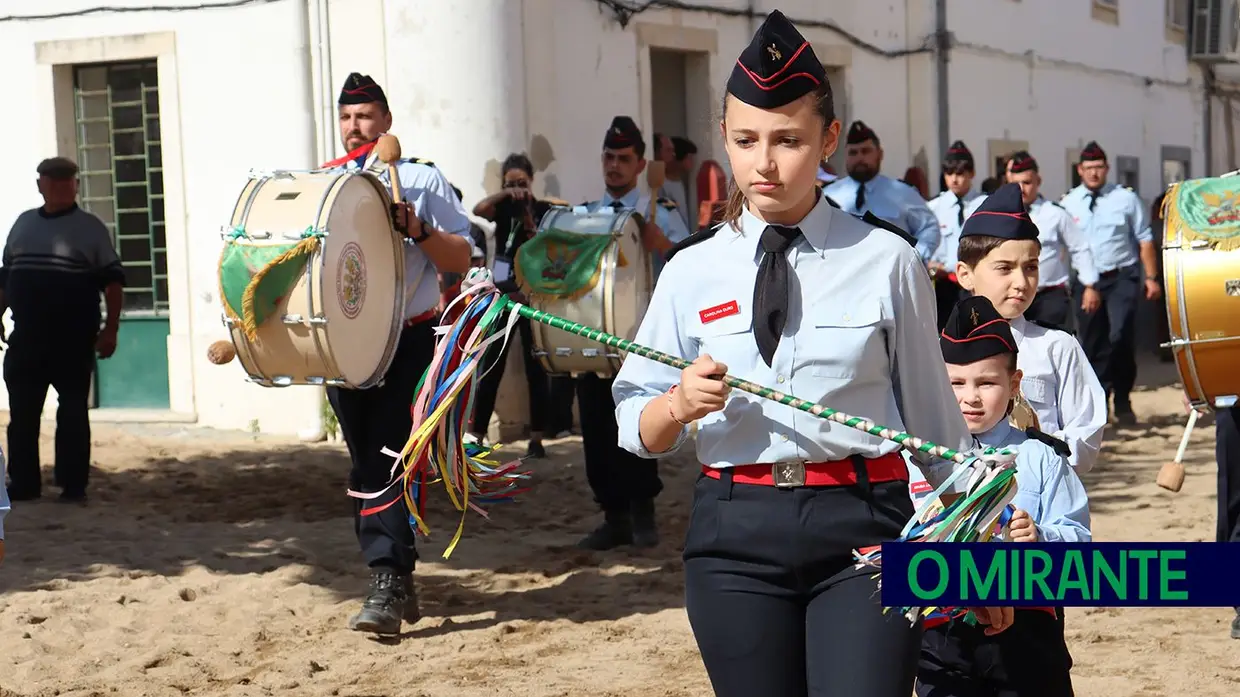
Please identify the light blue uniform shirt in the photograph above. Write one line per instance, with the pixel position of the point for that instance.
(861, 337)
(893, 201)
(947, 209)
(5, 504)
(669, 222)
(1063, 246)
(432, 197)
(1046, 487)
(1115, 227)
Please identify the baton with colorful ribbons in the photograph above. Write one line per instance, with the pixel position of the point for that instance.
(436, 453)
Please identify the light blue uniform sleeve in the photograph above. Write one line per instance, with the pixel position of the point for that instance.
(1140, 225)
(434, 200)
(1063, 503)
(641, 380)
(921, 223)
(1079, 253)
(672, 225)
(923, 392)
(5, 504)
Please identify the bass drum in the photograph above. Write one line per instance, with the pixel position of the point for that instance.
(1203, 310)
(340, 321)
(616, 304)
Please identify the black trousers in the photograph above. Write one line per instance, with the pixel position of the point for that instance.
(617, 477)
(32, 364)
(535, 380)
(563, 390)
(1029, 659)
(1108, 334)
(1227, 452)
(370, 420)
(1052, 306)
(946, 295)
(774, 601)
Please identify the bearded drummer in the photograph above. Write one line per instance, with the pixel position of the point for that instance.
(624, 485)
(436, 232)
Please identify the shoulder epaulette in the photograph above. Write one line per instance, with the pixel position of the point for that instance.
(831, 201)
(1060, 447)
(878, 222)
(696, 238)
(667, 203)
(417, 161)
(1057, 204)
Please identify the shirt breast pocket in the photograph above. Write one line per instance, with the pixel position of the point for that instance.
(1038, 392)
(844, 343)
(728, 339)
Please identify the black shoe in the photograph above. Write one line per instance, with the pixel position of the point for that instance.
(535, 450)
(1124, 415)
(645, 530)
(392, 600)
(72, 496)
(24, 494)
(616, 530)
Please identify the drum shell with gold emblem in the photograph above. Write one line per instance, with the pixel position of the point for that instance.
(616, 304)
(340, 323)
(1203, 313)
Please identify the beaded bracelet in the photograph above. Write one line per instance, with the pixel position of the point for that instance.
(670, 391)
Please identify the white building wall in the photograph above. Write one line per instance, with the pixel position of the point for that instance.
(1060, 78)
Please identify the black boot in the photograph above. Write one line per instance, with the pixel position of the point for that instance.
(645, 530)
(616, 530)
(392, 599)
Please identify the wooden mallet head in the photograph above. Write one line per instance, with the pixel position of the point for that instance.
(1171, 476)
(388, 149)
(221, 352)
(656, 175)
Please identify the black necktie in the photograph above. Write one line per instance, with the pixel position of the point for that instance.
(616, 205)
(770, 291)
(960, 213)
(860, 203)
(1093, 200)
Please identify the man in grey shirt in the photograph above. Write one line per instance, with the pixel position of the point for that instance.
(56, 261)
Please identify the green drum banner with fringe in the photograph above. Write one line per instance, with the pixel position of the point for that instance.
(1205, 210)
(562, 264)
(255, 279)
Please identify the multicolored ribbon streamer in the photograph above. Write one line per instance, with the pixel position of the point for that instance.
(445, 400)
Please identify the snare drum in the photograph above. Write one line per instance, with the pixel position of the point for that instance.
(1201, 263)
(336, 319)
(615, 304)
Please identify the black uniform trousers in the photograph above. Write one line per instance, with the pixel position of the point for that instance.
(32, 364)
(1028, 659)
(1108, 334)
(535, 380)
(617, 477)
(1227, 452)
(370, 420)
(563, 390)
(774, 601)
(946, 294)
(1052, 306)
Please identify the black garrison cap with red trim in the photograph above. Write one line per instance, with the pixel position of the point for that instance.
(958, 154)
(1092, 151)
(1022, 161)
(622, 133)
(974, 332)
(858, 132)
(776, 68)
(361, 89)
(1002, 215)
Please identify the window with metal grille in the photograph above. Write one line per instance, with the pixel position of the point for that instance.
(121, 172)
(1177, 14)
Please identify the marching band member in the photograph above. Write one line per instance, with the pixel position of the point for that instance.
(998, 258)
(950, 209)
(1113, 220)
(842, 312)
(437, 239)
(623, 484)
(1031, 658)
(866, 190)
(1063, 247)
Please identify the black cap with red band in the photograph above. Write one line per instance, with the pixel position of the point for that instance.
(623, 133)
(777, 68)
(361, 89)
(1092, 152)
(1022, 161)
(958, 154)
(974, 332)
(1002, 215)
(858, 132)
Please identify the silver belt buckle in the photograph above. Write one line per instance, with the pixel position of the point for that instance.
(788, 475)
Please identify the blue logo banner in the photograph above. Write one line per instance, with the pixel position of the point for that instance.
(1100, 574)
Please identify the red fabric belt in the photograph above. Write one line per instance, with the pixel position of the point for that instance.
(419, 319)
(888, 468)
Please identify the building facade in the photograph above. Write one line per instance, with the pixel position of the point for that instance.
(167, 111)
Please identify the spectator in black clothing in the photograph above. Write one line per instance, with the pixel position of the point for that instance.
(516, 213)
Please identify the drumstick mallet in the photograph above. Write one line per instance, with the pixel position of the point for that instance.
(388, 151)
(656, 174)
(1171, 475)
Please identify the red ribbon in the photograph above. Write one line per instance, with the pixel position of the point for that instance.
(361, 152)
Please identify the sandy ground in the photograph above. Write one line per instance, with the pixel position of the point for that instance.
(213, 563)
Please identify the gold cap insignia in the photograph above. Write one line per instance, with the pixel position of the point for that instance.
(973, 316)
(775, 54)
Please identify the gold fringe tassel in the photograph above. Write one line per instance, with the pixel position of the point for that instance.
(249, 325)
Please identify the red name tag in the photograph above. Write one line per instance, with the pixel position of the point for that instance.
(727, 309)
(922, 487)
